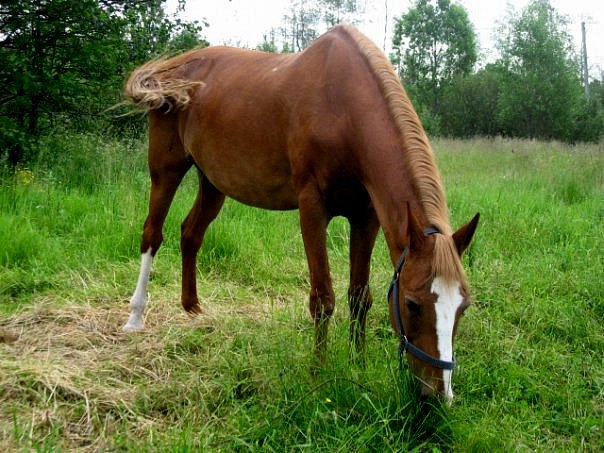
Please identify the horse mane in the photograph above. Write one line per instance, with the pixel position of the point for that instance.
(421, 160)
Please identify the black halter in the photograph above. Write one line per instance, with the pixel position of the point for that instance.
(405, 345)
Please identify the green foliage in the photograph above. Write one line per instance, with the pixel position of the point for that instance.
(588, 120)
(150, 33)
(306, 20)
(541, 89)
(469, 104)
(57, 57)
(596, 88)
(533, 90)
(434, 42)
(237, 376)
(429, 120)
(185, 36)
(63, 62)
(268, 43)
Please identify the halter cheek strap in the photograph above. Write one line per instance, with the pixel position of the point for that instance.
(405, 344)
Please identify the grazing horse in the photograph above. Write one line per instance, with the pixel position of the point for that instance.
(330, 132)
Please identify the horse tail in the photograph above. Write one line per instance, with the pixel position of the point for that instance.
(154, 86)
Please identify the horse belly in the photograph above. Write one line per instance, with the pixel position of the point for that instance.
(253, 177)
(237, 133)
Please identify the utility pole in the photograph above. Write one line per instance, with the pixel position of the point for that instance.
(385, 25)
(584, 61)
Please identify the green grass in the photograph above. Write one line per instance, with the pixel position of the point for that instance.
(530, 349)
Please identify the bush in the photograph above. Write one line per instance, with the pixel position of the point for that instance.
(589, 121)
(469, 106)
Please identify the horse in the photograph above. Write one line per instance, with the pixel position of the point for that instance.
(331, 132)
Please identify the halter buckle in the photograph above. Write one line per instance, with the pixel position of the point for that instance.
(403, 345)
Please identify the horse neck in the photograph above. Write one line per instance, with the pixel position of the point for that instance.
(390, 194)
(395, 189)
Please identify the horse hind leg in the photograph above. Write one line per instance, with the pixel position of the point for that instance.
(207, 205)
(168, 164)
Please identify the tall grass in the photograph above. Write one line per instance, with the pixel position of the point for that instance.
(237, 377)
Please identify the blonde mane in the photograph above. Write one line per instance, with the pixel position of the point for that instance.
(419, 153)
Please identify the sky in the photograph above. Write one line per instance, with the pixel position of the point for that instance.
(243, 23)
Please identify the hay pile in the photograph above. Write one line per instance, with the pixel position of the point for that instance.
(69, 373)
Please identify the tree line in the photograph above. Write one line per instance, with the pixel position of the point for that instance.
(63, 63)
(532, 90)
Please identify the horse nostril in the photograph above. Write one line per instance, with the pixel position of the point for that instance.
(426, 390)
(430, 390)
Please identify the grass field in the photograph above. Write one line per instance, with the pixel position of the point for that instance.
(530, 375)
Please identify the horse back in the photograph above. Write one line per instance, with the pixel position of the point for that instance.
(261, 126)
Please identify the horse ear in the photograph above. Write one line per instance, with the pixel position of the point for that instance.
(464, 235)
(414, 230)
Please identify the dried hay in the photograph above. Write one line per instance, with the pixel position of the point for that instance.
(70, 371)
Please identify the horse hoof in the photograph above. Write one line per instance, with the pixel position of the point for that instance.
(134, 325)
(131, 329)
(192, 308)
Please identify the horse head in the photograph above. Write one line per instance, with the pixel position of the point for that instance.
(428, 295)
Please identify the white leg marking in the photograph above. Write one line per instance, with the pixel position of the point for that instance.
(139, 298)
(449, 300)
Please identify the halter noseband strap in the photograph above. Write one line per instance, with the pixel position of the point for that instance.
(406, 345)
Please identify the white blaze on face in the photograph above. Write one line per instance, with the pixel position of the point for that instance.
(447, 304)
(139, 298)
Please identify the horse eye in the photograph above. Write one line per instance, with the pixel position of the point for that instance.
(413, 306)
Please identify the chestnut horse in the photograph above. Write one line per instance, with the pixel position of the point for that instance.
(330, 132)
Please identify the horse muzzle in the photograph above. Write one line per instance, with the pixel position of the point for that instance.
(436, 387)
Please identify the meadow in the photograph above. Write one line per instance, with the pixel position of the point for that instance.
(236, 378)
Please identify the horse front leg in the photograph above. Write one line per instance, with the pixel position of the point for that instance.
(363, 232)
(205, 209)
(313, 223)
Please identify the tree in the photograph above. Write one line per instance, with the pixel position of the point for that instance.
(268, 43)
(434, 42)
(339, 11)
(52, 52)
(596, 89)
(65, 61)
(185, 36)
(303, 24)
(469, 104)
(541, 90)
(300, 25)
(588, 121)
(147, 31)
